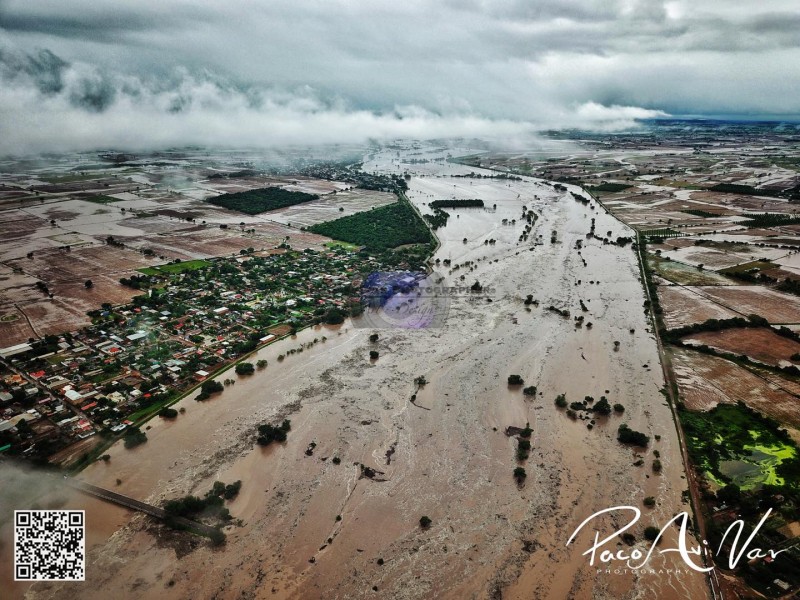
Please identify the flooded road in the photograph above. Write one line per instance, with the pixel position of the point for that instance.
(312, 527)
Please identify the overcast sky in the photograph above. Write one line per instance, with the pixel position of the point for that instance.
(152, 73)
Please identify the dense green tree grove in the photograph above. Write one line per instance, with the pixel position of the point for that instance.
(253, 202)
(378, 229)
(468, 203)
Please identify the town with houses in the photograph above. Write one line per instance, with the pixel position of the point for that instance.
(65, 395)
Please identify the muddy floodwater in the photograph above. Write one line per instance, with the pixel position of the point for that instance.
(311, 528)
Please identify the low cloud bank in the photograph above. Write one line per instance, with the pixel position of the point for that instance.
(50, 105)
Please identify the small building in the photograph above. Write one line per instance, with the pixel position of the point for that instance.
(72, 395)
(56, 382)
(116, 397)
(10, 351)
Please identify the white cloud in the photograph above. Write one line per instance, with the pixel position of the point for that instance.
(202, 112)
(614, 117)
(249, 69)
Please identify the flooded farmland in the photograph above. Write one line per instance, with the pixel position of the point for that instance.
(314, 527)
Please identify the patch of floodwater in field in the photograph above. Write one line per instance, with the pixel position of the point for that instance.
(87, 220)
(751, 471)
(744, 474)
(330, 207)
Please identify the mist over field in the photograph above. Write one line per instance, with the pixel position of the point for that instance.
(80, 74)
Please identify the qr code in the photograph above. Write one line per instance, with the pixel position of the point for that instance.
(49, 545)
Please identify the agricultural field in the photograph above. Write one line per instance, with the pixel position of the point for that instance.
(684, 306)
(711, 258)
(735, 445)
(684, 274)
(177, 267)
(207, 242)
(65, 275)
(54, 316)
(103, 199)
(705, 381)
(791, 263)
(14, 327)
(229, 183)
(152, 215)
(776, 307)
(80, 264)
(761, 344)
(331, 207)
(73, 453)
(22, 232)
(310, 185)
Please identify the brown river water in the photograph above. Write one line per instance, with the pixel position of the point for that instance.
(449, 456)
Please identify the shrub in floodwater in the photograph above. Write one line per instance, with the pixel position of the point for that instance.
(244, 368)
(270, 433)
(626, 435)
(651, 533)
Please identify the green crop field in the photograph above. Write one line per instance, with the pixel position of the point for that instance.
(100, 199)
(733, 444)
(343, 245)
(757, 265)
(684, 274)
(188, 265)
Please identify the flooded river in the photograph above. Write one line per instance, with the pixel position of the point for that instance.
(311, 528)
